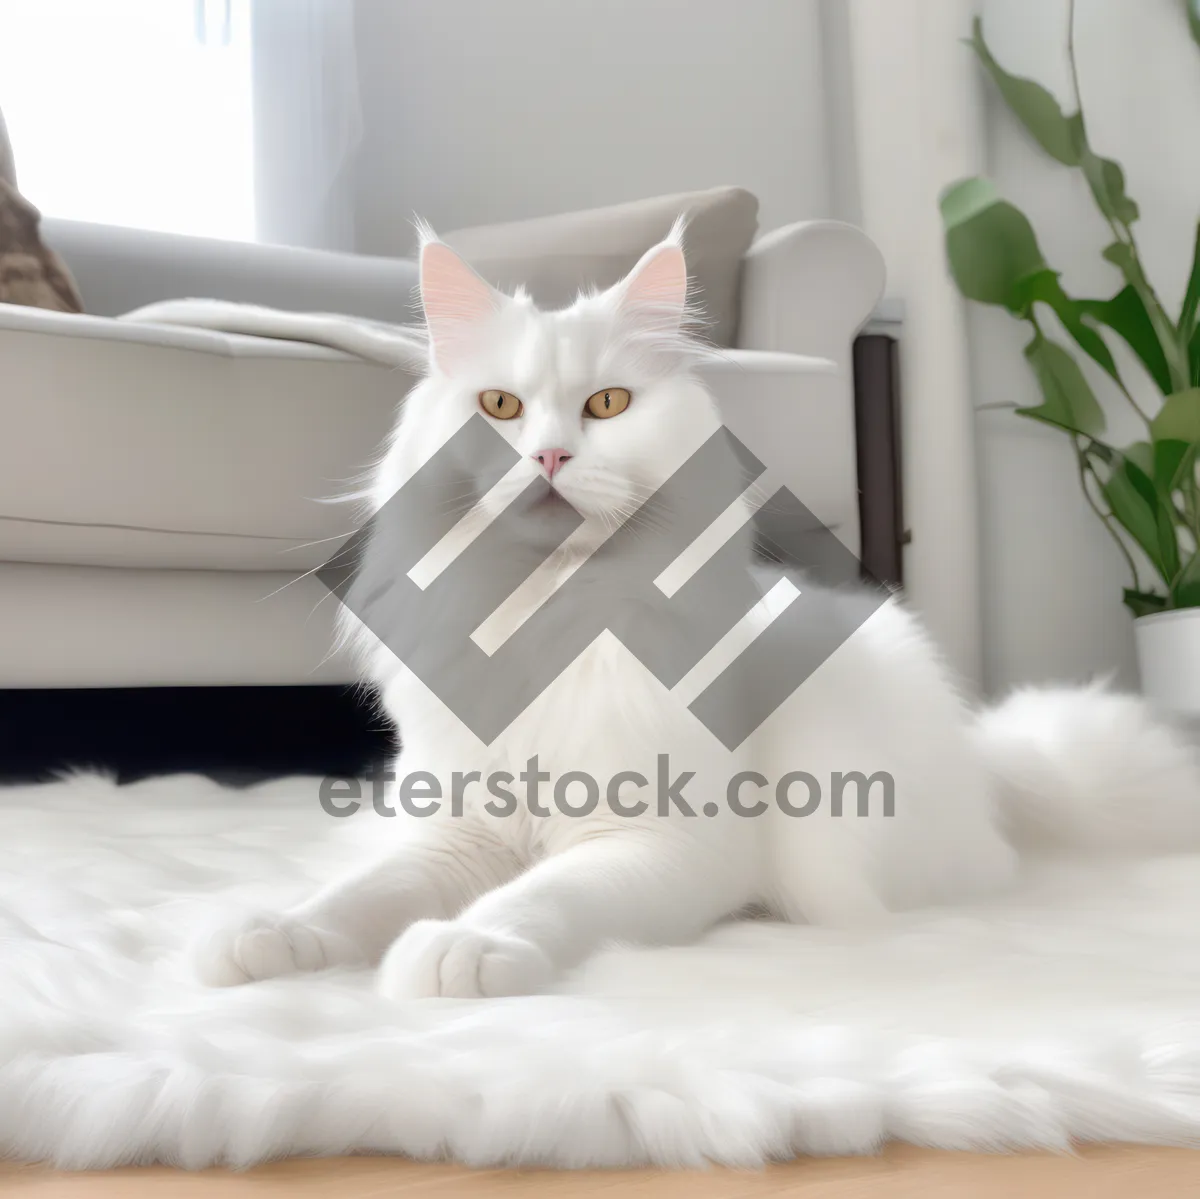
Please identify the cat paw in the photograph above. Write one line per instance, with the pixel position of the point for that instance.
(265, 946)
(451, 959)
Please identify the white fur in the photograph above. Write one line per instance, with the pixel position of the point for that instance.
(1087, 771)
(1067, 1008)
(391, 345)
(471, 905)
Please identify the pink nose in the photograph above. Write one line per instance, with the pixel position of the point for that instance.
(552, 461)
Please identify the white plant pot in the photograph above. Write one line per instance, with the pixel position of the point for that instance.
(1168, 650)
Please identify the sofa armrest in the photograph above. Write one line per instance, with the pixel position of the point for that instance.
(808, 288)
(120, 269)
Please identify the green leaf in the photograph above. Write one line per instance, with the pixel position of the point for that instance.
(1139, 466)
(1141, 454)
(1126, 315)
(989, 242)
(1137, 505)
(1194, 358)
(1104, 176)
(1067, 400)
(1043, 287)
(1157, 470)
(1179, 418)
(1191, 298)
(1121, 255)
(1144, 603)
(1138, 517)
(1168, 540)
(1136, 461)
(1125, 259)
(1193, 15)
(1172, 459)
(1031, 103)
(1186, 592)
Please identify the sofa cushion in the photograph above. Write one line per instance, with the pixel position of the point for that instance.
(147, 446)
(119, 270)
(554, 256)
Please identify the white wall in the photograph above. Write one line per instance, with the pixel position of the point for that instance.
(1051, 578)
(914, 123)
(488, 110)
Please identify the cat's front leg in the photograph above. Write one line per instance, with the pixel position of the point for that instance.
(615, 887)
(353, 920)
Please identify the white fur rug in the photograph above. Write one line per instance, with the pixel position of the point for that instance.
(1068, 1010)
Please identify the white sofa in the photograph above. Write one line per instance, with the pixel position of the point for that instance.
(163, 490)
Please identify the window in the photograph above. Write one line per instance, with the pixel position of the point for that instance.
(132, 112)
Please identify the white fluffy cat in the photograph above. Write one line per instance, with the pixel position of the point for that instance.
(478, 904)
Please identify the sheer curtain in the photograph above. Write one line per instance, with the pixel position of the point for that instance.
(222, 118)
(307, 121)
(132, 112)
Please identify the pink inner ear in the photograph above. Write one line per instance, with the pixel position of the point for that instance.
(455, 299)
(657, 286)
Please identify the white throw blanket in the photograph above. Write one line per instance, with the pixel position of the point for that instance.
(1068, 1009)
(391, 345)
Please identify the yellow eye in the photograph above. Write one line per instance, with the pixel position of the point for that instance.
(612, 401)
(503, 405)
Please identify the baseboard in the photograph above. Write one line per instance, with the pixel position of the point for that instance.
(233, 733)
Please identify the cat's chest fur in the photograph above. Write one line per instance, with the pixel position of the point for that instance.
(605, 726)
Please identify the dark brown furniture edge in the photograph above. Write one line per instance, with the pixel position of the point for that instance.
(877, 441)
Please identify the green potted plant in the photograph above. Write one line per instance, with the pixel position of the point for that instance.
(1147, 492)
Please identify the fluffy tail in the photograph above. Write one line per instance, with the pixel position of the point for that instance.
(1085, 770)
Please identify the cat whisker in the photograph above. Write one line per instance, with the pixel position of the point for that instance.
(291, 582)
(306, 545)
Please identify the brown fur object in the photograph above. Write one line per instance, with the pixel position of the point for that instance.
(30, 273)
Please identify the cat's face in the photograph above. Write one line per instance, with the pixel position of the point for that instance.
(598, 400)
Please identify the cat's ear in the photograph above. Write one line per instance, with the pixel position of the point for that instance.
(654, 294)
(456, 302)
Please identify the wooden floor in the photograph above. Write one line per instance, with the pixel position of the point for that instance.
(900, 1173)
